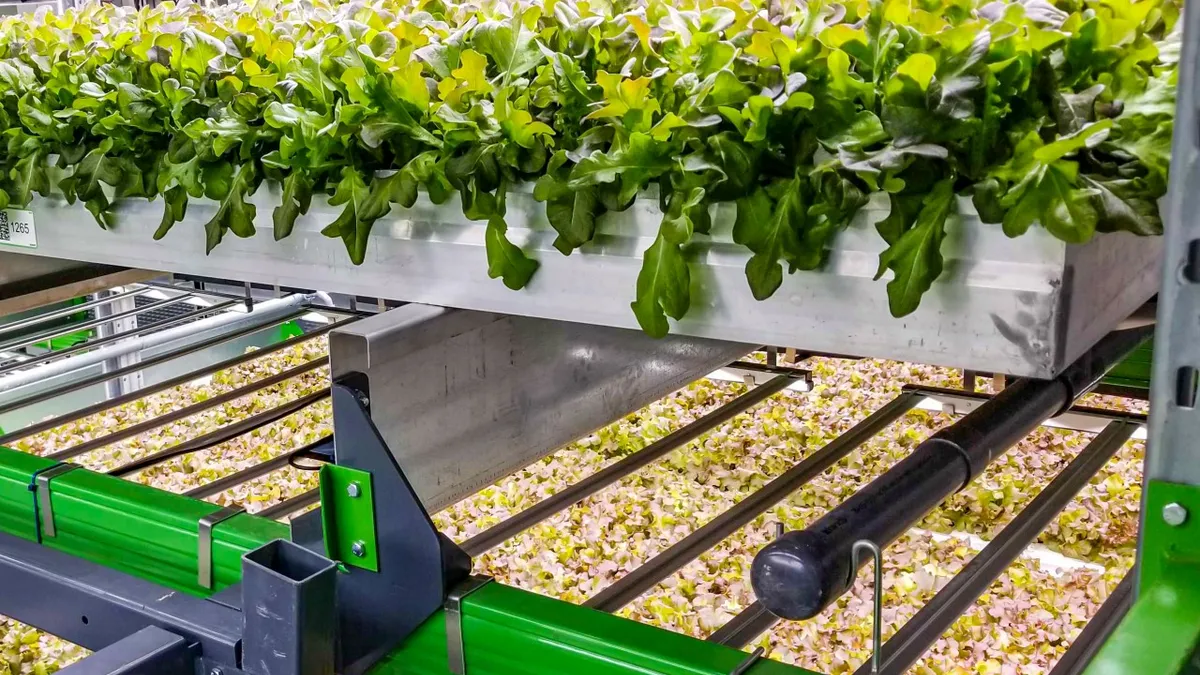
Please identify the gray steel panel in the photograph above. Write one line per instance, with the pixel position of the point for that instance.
(1172, 452)
(150, 651)
(464, 398)
(94, 606)
(1025, 307)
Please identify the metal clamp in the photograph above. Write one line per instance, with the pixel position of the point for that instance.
(43, 508)
(204, 543)
(456, 657)
(745, 666)
(877, 612)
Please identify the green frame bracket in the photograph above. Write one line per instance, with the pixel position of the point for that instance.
(129, 527)
(1162, 630)
(506, 631)
(348, 516)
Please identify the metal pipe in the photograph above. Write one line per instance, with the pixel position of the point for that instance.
(222, 435)
(250, 473)
(263, 315)
(67, 311)
(1096, 632)
(67, 387)
(501, 532)
(115, 337)
(982, 397)
(742, 629)
(290, 506)
(801, 573)
(956, 597)
(30, 340)
(232, 362)
(187, 411)
(691, 547)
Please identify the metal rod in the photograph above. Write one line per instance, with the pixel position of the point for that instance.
(66, 418)
(68, 387)
(290, 506)
(750, 661)
(962, 394)
(30, 340)
(742, 629)
(921, 631)
(876, 596)
(802, 572)
(250, 473)
(1096, 632)
(501, 532)
(691, 547)
(222, 435)
(67, 311)
(108, 339)
(188, 411)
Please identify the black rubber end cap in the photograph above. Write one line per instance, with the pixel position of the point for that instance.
(790, 577)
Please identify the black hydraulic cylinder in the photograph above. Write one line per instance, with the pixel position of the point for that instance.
(801, 573)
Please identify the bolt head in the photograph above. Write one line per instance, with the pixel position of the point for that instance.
(1174, 514)
(215, 671)
(359, 549)
(354, 489)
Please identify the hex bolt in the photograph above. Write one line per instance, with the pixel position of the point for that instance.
(364, 400)
(359, 549)
(1174, 514)
(353, 489)
(215, 671)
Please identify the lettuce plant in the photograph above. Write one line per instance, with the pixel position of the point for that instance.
(1050, 113)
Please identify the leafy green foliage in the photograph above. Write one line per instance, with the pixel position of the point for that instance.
(1054, 114)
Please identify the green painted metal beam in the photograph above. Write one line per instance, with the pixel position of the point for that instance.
(507, 631)
(153, 534)
(129, 527)
(1162, 630)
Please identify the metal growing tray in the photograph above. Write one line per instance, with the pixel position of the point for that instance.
(1025, 306)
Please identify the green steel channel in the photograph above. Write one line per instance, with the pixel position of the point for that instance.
(129, 527)
(507, 631)
(152, 534)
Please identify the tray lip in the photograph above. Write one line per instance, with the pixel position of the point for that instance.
(714, 260)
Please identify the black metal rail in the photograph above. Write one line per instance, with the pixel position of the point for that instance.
(1096, 632)
(922, 630)
(691, 547)
(742, 629)
(800, 574)
(261, 469)
(222, 435)
(290, 506)
(185, 412)
(498, 534)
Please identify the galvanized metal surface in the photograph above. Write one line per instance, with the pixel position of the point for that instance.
(464, 398)
(1025, 306)
(1172, 453)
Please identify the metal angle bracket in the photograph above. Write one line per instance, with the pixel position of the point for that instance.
(43, 509)
(417, 564)
(204, 563)
(348, 516)
(456, 655)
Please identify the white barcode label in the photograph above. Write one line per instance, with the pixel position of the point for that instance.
(16, 228)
